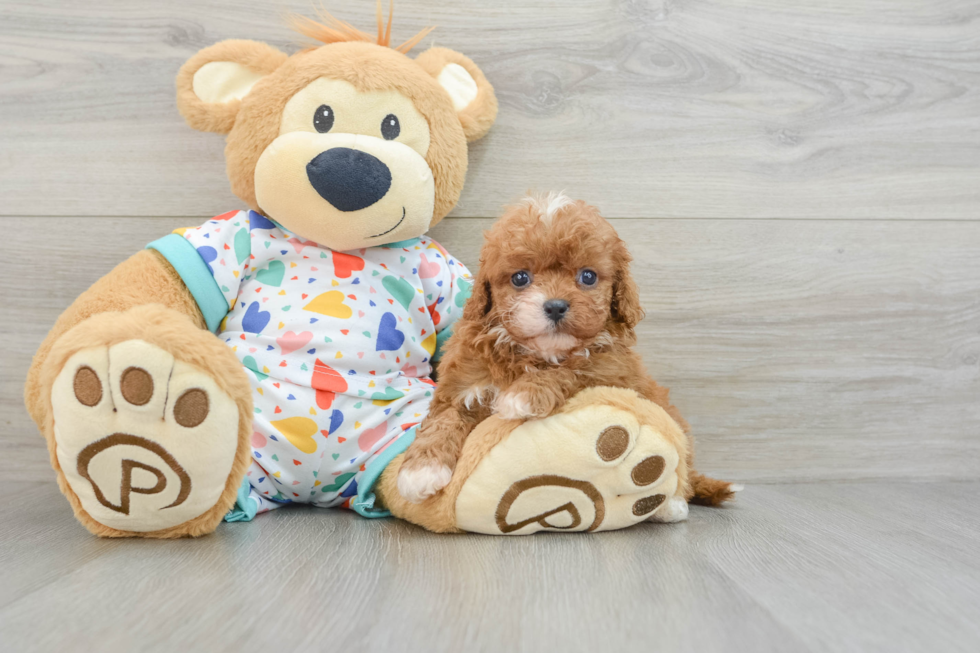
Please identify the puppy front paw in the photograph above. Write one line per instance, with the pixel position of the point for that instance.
(514, 405)
(671, 512)
(417, 484)
(527, 403)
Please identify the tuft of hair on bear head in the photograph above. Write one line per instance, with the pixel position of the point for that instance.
(330, 29)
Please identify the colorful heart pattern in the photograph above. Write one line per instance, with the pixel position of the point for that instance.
(272, 274)
(330, 303)
(337, 347)
(327, 382)
(290, 342)
(389, 337)
(345, 264)
(400, 289)
(255, 319)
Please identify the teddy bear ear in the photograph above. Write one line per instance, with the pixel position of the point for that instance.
(471, 93)
(211, 85)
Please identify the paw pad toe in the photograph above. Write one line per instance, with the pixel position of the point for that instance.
(612, 443)
(646, 505)
(87, 387)
(648, 470)
(191, 408)
(136, 386)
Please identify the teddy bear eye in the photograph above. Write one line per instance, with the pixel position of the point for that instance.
(323, 119)
(390, 127)
(520, 279)
(587, 277)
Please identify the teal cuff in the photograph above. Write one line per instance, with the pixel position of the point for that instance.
(196, 275)
(398, 244)
(363, 503)
(245, 506)
(441, 339)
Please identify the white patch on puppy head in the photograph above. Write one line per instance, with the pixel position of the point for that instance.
(547, 205)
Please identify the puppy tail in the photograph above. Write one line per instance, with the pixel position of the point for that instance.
(709, 491)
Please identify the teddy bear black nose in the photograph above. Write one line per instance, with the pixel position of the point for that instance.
(555, 309)
(349, 179)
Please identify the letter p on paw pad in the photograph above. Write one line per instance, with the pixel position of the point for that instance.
(146, 442)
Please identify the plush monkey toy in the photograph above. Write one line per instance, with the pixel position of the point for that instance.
(283, 354)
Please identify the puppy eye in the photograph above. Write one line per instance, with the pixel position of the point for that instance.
(520, 279)
(323, 119)
(587, 277)
(390, 127)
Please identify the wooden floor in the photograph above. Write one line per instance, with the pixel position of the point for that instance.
(883, 566)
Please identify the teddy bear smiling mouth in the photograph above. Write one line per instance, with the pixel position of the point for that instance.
(398, 224)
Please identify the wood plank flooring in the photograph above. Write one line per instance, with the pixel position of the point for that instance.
(882, 566)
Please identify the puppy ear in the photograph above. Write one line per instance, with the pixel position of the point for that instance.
(471, 93)
(625, 305)
(480, 302)
(488, 305)
(211, 85)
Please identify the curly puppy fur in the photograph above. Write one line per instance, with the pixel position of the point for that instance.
(508, 357)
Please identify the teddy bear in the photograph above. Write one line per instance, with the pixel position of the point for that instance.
(284, 353)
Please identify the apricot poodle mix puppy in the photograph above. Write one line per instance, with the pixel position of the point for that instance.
(552, 312)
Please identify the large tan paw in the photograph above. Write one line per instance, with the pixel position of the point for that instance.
(146, 442)
(592, 469)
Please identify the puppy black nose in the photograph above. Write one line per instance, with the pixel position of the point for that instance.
(555, 309)
(350, 180)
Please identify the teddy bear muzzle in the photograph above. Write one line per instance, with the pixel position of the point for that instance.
(345, 191)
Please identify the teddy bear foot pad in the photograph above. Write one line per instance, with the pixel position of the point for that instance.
(586, 470)
(146, 442)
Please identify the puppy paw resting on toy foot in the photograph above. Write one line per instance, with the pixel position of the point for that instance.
(526, 401)
(148, 438)
(420, 482)
(514, 405)
(607, 460)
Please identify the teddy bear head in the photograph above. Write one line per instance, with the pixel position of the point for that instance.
(349, 144)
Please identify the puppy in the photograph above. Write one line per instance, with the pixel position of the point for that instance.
(552, 312)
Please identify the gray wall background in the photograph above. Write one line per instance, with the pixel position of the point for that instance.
(800, 187)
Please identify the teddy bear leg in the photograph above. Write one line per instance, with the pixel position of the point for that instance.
(607, 460)
(148, 423)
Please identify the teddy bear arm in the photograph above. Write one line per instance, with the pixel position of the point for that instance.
(144, 278)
